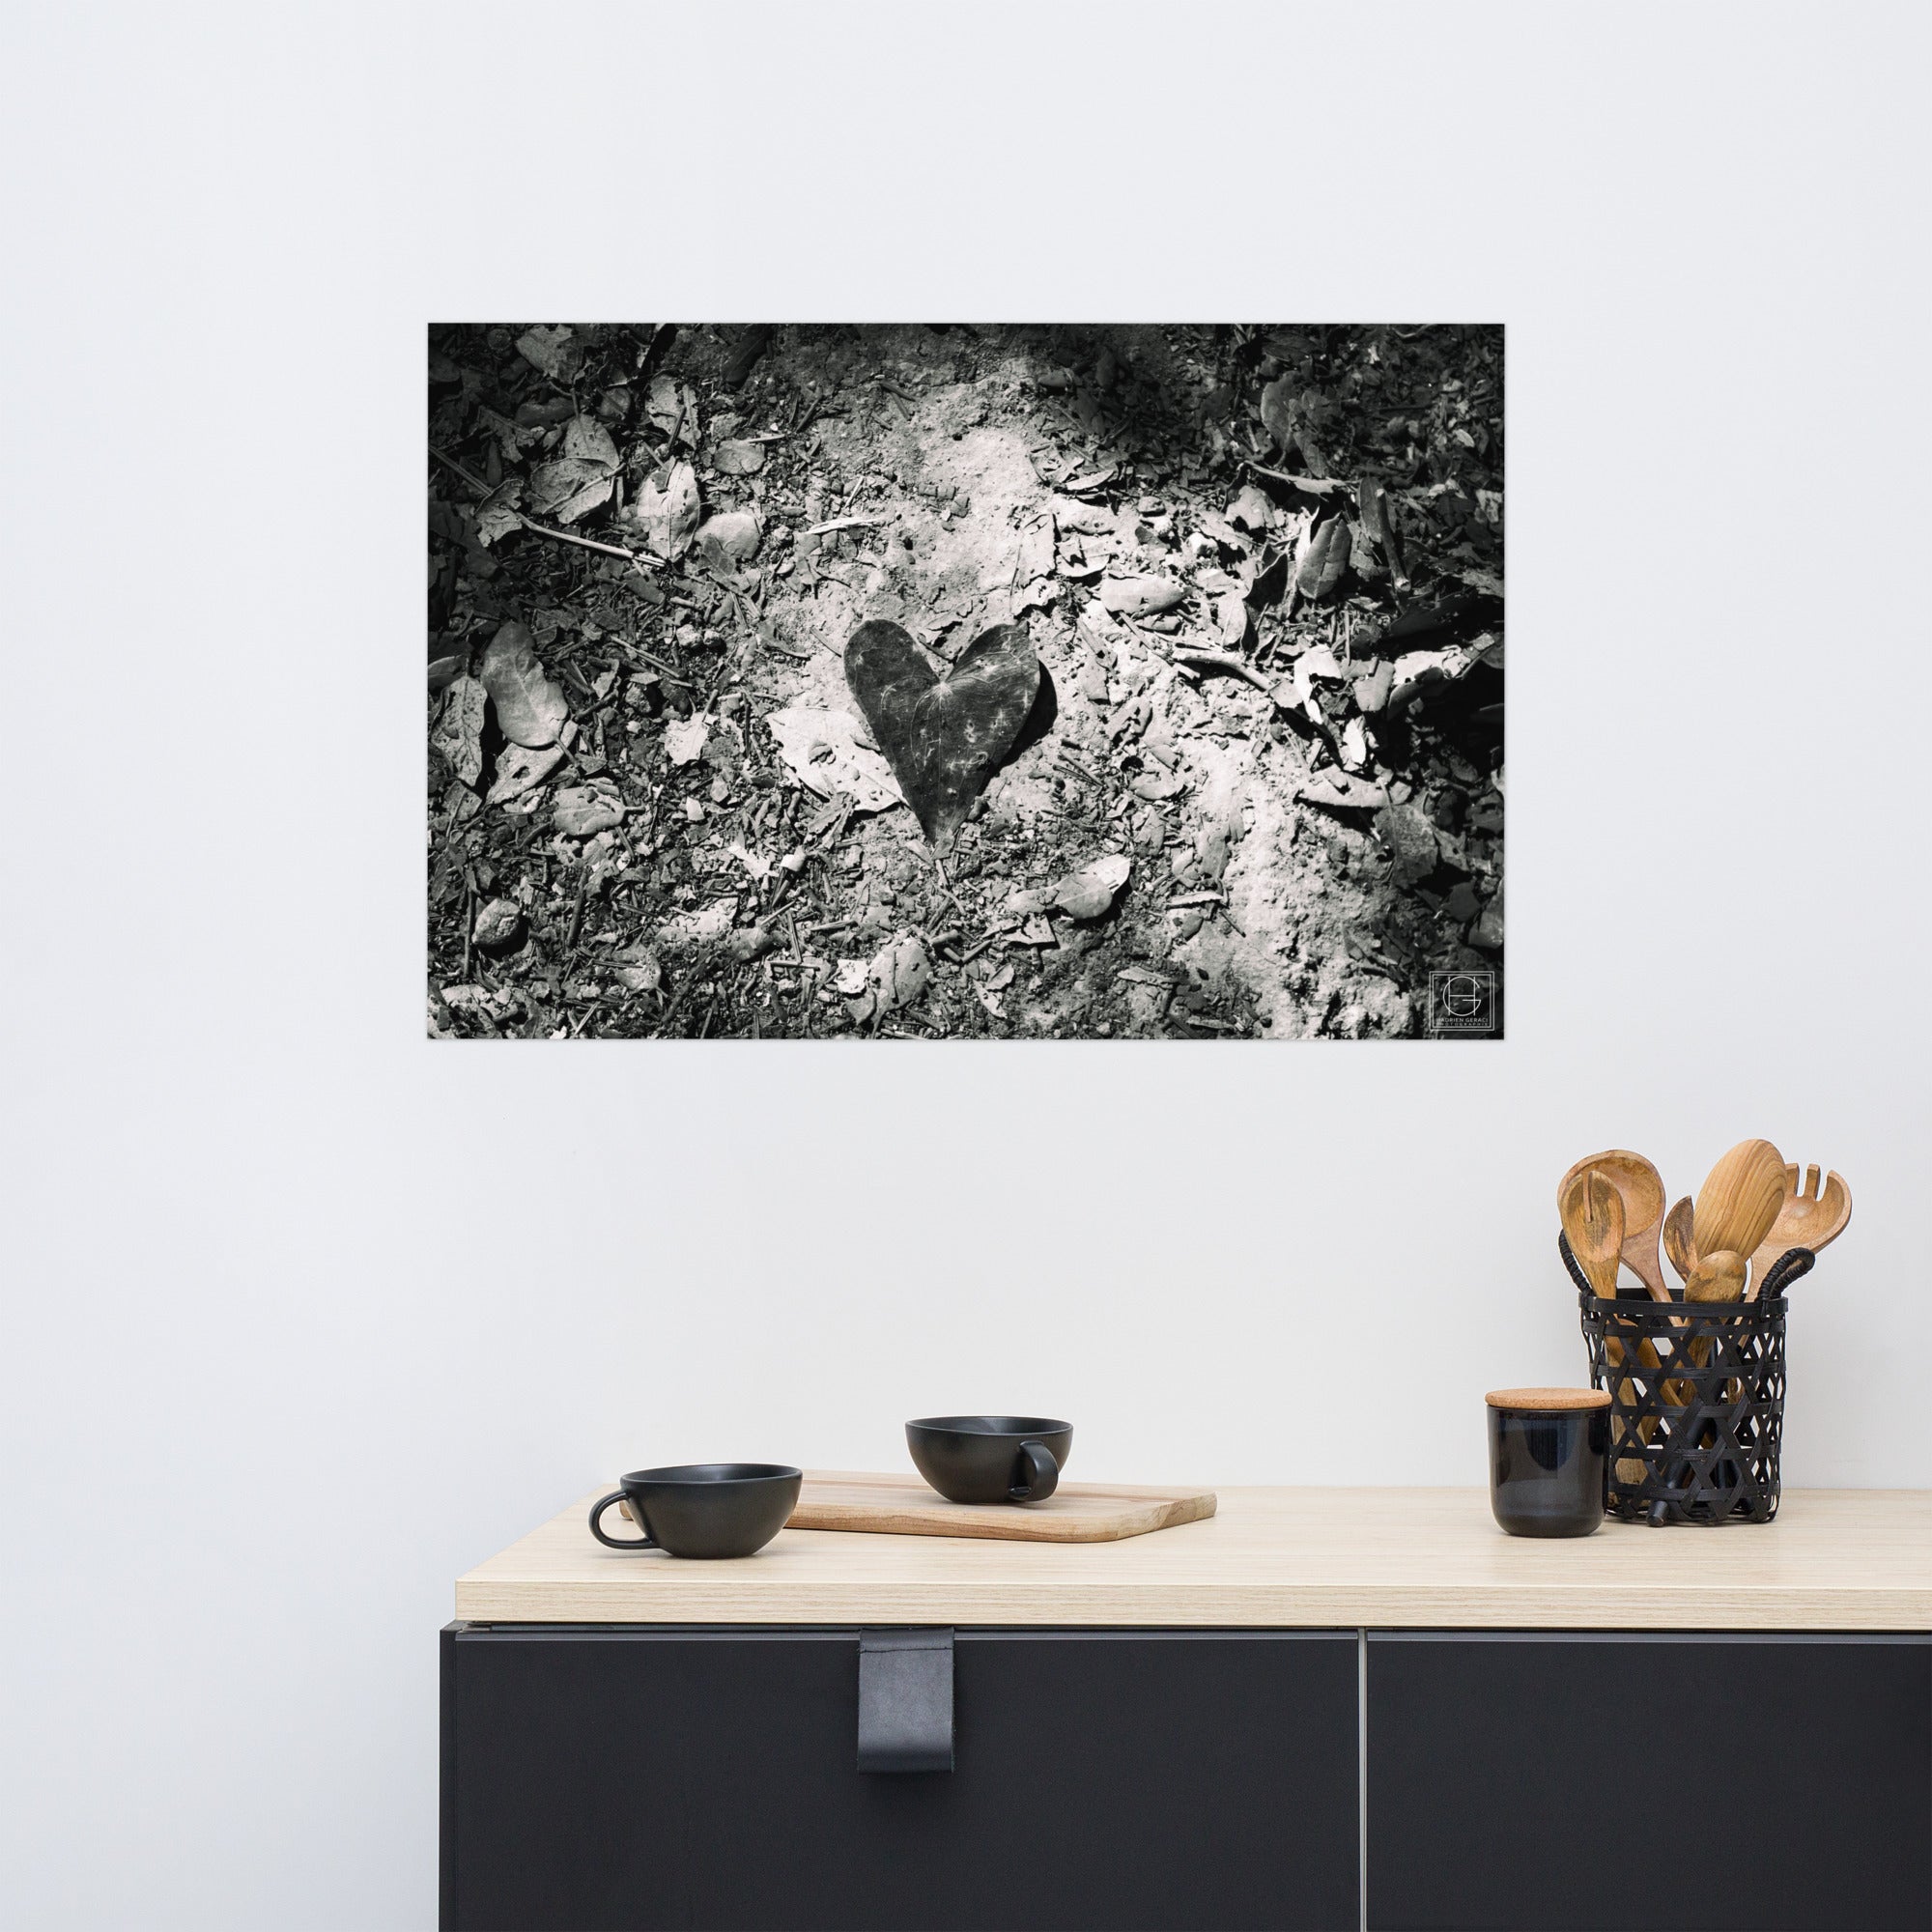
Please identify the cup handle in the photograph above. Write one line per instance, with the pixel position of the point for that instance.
(1041, 1477)
(597, 1510)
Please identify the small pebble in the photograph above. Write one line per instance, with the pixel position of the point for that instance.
(497, 923)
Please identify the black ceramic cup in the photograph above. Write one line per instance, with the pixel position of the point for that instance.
(702, 1509)
(990, 1459)
(1548, 1459)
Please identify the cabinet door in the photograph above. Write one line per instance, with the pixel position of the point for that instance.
(1621, 1782)
(603, 1778)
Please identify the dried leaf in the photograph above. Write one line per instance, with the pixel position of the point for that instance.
(582, 812)
(1378, 527)
(1141, 596)
(671, 407)
(587, 440)
(1082, 894)
(1035, 552)
(569, 488)
(1251, 510)
(895, 977)
(519, 771)
(702, 927)
(459, 728)
(529, 708)
(1223, 809)
(739, 457)
(1340, 792)
(1410, 840)
(1281, 414)
(551, 350)
(576, 482)
(1232, 618)
(1324, 560)
(684, 741)
(731, 537)
(1418, 672)
(497, 514)
(749, 942)
(639, 969)
(823, 751)
(665, 513)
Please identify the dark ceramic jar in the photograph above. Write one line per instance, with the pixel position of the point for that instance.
(1548, 1456)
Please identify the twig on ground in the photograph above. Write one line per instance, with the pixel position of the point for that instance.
(1225, 660)
(476, 482)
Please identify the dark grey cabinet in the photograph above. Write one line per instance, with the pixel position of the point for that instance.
(1579, 1783)
(615, 1776)
(609, 1777)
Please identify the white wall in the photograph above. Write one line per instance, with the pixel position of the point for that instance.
(304, 1315)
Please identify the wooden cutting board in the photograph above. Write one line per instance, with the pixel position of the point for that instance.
(1076, 1513)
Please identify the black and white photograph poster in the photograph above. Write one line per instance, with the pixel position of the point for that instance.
(963, 681)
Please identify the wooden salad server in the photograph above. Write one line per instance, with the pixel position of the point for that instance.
(1592, 1211)
(1641, 1187)
(1809, 1216)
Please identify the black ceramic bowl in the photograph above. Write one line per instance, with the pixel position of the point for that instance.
(990, 1459)
(1548, 1453)
(703, 1508)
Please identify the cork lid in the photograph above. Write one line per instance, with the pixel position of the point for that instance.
(1547, 1401)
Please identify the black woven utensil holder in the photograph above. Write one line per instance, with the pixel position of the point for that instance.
(1696, 1397)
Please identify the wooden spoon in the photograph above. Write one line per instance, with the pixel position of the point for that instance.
(1809, 1216)
(1680, 1241)
(1739, 1199)
(1641, 1187)
(1717, 1277)
(1593, 1218)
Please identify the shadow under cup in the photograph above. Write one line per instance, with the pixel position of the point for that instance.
(1549, 1460)
(702, 1509)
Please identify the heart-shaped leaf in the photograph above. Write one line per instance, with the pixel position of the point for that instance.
(529, 707)
(943, 735)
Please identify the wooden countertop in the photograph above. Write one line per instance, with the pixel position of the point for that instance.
(1834, 1559)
